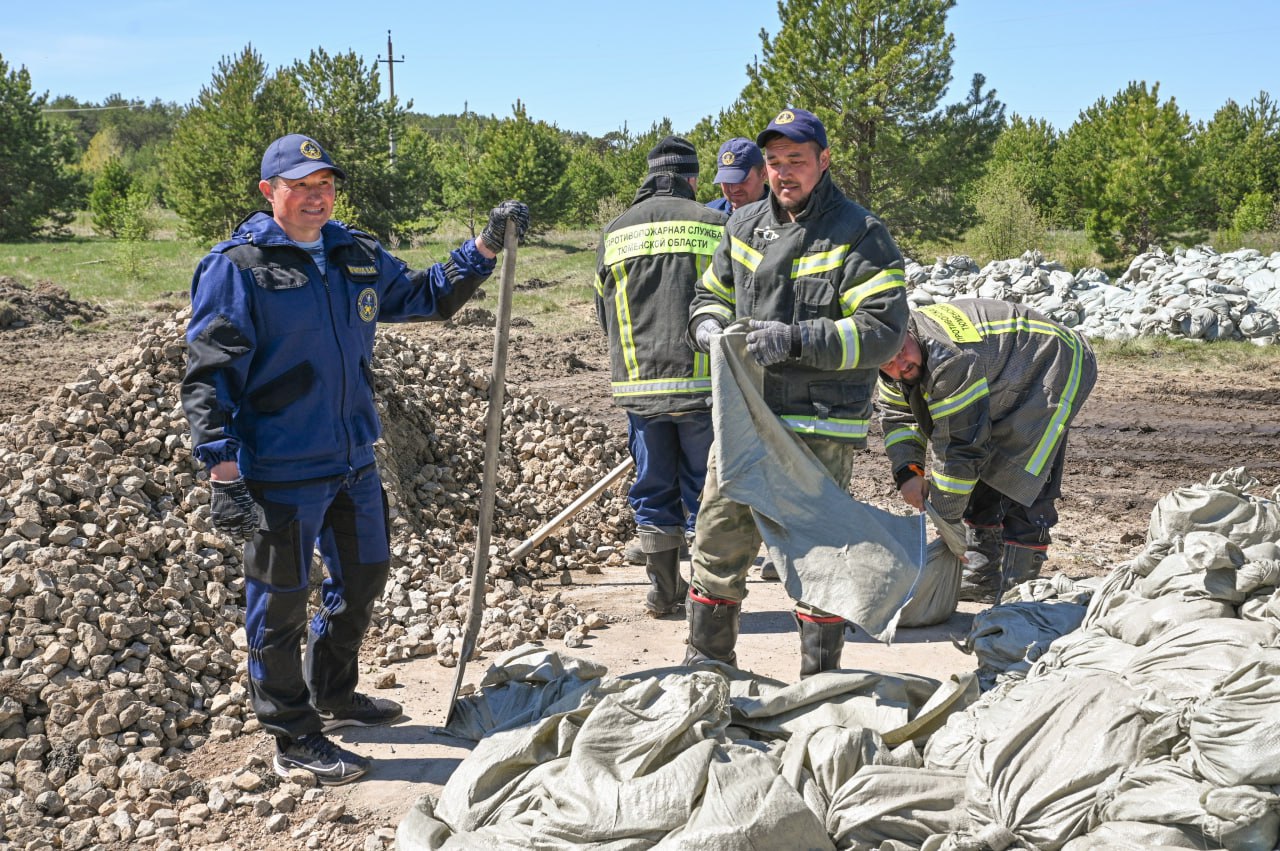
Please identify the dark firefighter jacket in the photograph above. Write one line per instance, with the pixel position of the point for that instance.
(836, 274)
(649, 259)
(999, 386)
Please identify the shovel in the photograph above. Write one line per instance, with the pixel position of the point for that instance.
(492, 439)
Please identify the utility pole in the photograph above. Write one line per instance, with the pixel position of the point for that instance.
(391, 88)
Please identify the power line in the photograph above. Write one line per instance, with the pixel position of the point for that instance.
(96, 108)
(391, 88)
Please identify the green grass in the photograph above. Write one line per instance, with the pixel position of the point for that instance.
(1174, 354)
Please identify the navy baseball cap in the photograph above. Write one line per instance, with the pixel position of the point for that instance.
(798, 125)
(736, 159)
(295, 156)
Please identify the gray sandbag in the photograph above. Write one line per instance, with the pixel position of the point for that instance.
(1136, 620)
(1187, 662)
(1262, 605)
(1121, 579)
(1235, 731)
(1225, 503)
(951, 747)
(1164, 792)
(1204, 569)
(1008, 638)
(818, 762)
(936, 594)
(884, 803)
(1138, 836)
(1056, 587)
(1046, 749)
(1085, 650)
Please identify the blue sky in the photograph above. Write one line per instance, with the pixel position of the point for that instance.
(595, 66)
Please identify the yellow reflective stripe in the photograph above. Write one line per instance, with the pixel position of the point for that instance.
(850, 343)
(890, 394)
(823, 261)
(959, 401)
(599, 286)
(650, 238)
(1049, 441)
(717, 289)
(661, 386)
(902, 435)
(954, 323)
(701, 364)
(887, 279)
(626, 332)
(717, 310)
(744, 254)
(950, 484)
(828, 426)
(1030, 326)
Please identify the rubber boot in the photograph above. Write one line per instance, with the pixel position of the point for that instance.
(1021, 564)
(667, 588)
(980, 578)
(713, 629)
(821, 642)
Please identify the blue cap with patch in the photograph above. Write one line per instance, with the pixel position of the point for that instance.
(798, 125)
(295, 156)
(736, 159)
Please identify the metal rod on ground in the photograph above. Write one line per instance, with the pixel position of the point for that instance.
(573, 508)
(492, 440)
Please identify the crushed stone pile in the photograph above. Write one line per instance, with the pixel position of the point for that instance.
(120, 605)
(1193, 293)
(1140, 713)
(46, 302)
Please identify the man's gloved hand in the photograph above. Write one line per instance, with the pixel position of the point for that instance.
(233, 510)
(703, 334)
(769, 341)
(495, 231)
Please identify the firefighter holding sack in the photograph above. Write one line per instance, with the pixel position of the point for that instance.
(992, 388)
(822, 284)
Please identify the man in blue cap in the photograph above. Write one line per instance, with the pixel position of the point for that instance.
(740, 175)
(279, 395)
(822, 284)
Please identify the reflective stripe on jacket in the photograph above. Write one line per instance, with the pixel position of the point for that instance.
(998, 389)
(649, 259)
(836, 274)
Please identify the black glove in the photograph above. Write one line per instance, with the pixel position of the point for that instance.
(495, 232)
(769, 341)
(233, 510)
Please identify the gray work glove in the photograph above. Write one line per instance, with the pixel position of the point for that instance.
(233, 510)
(769, 341)
(703, 334)
(495, 231)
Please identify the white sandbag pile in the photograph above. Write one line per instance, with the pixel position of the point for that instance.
(1193, 293)
(1141, 713)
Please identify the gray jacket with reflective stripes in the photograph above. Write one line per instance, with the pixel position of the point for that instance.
(999, 387)
(648, 261)
(834, 274)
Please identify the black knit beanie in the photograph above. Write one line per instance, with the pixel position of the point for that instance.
(674, 156)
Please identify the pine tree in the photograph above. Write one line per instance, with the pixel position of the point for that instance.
(1239, 153)
(875, 72)
(212, 162)
(528, 160)
(38, 189)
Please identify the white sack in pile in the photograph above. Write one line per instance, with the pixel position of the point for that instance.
(1186, 663)
(1235, 731)
(1222, 504)
(1164, 792)
(844, 556)
(1046, 749)
(1085, 650)
(1008, 638)
(1136, 620)
(883, 803)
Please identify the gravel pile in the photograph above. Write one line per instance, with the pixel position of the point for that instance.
(120, 606)
(1193, 293)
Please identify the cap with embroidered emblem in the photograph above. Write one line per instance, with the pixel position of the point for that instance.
(736, 159)
(295, 156)
(798, 125)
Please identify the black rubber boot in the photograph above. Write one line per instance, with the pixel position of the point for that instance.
(713, 629)
(667, 588)
(1021, 564)
(980, 578)
(820, 644)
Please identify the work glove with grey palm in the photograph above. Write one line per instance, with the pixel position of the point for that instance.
(707, 330)
(769, 341)
(495, 231)
(233, 510)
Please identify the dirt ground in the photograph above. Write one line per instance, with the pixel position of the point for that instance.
(1143, 433)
